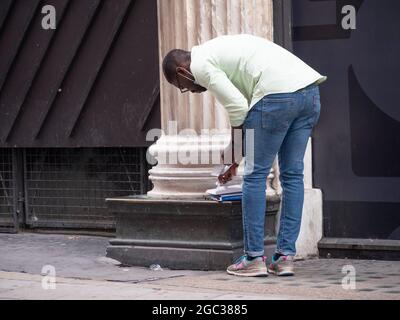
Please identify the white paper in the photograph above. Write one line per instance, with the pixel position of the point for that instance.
(225, 189)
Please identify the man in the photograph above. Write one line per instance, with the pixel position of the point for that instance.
(265, 88)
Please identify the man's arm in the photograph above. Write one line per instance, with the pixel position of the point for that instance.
(217, 82)
(231, 171)
(237, 107)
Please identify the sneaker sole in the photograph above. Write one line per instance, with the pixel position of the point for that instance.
(281, 274)
(248, 274)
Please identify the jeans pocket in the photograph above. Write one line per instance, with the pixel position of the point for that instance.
(276, 114)
(316, 111)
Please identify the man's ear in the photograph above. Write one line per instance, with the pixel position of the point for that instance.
(184, 72)
(180, 70)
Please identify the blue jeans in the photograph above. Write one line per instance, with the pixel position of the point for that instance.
(282, 125)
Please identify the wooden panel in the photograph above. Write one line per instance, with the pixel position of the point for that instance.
(88, 83)
(5, 7)
(13, 34)
(20, 80)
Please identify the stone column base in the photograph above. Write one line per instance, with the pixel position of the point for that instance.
(311, 225)
(185, 164)
(182, 234)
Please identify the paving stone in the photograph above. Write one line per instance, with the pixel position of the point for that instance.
(392, 292)
(83, 258)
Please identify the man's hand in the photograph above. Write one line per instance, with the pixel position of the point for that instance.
(228, 174)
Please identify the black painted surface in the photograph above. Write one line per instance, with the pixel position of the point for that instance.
(356, 145)
(350, 219)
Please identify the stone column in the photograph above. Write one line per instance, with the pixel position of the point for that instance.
(184, 24)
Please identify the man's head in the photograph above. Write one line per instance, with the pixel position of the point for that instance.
(176, 68)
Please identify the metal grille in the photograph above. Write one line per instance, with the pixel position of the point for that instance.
(66, 188)
(7, 205)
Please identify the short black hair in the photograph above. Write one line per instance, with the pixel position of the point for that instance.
(172, 60)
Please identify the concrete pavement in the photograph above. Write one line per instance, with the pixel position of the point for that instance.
(28, 262)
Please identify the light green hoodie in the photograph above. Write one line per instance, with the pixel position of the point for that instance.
(239, 70)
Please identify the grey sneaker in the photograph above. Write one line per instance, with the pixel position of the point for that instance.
(246, 268)
(284, 266)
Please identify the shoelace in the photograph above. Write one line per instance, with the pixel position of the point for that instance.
(239, 260)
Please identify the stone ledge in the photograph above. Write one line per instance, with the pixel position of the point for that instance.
(209, 207)
(181, 234)
(379, 249)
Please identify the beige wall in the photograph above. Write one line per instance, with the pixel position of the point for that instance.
(185, 23)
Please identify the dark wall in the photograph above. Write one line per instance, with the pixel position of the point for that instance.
(356, 144)
(92, 82)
